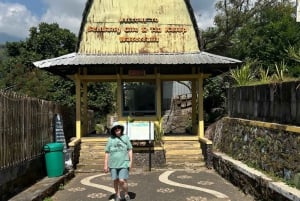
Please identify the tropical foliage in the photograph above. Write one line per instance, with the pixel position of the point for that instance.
(18, 74)
(262, 32)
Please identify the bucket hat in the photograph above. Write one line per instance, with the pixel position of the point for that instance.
(115, 126)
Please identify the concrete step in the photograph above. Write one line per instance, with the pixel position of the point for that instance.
(182, 147)
(91, 160)
(92, 147)
(89, 168)
(91, 153)
(182, 152)
(91, 157)
(185, 165)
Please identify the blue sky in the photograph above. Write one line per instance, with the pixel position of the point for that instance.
(17, 16)
(37, 7)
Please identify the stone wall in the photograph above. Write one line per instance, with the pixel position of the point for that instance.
(148, 158)
(272, 148)
(178, 119)
(251, 181)
(16, 178)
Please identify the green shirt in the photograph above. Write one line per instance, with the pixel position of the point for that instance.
(118, 147)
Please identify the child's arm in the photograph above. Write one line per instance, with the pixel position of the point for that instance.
(106, 156)
(130, 158)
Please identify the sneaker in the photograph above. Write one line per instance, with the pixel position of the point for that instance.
(127, 198)
(117, 198)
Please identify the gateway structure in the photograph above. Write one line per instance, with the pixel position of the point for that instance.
(139, 45)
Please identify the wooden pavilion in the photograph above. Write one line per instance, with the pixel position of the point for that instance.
(134, 41)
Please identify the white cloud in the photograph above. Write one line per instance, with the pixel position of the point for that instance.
(16, 19)
(67, 13)
(205, 13)
(205, 19)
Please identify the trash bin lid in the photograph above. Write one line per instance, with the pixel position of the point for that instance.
(55, 146)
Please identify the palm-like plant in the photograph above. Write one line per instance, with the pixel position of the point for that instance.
(243, 75)
(293, 54)
(264, 75)
(281, 71)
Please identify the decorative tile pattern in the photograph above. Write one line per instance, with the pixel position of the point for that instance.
(205, 183)
(165, 190)
(77, 189)
(106, 178)
(184, 177)
(196, 198)
(132, 184)
(96, 195)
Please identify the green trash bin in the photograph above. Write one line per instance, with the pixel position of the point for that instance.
(54, 158)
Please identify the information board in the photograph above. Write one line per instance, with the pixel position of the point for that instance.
(139, 130)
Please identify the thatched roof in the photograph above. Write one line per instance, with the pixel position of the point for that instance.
(172, 61)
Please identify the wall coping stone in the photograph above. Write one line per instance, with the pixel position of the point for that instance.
(280, 187)
(285, 127)
(43, 188)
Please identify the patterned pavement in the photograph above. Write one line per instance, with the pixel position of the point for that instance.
(157, 185)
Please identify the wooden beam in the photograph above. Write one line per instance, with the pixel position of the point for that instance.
(113, 78)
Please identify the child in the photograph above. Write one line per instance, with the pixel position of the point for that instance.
(118, 160)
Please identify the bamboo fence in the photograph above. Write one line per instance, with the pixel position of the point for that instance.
(26, 125)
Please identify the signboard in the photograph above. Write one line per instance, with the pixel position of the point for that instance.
(139, 130)
(133, 30)
(59, 131)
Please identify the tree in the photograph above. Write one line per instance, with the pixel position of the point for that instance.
(259, 31)
(268, 35)
(231, 15)
(214, 98)
(47, 41)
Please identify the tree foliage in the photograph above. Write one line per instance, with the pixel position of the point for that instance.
(46, 41)
(268, 35)
(214, 98)
(260, 31)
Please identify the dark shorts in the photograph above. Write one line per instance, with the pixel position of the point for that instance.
(119, 173)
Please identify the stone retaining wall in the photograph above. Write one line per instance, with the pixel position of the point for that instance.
(16, 178)
(146, 158)
(253, 182)
(267, 147)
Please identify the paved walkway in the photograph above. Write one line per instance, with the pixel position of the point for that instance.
(157, 185)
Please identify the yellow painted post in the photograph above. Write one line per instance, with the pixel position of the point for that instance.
(194, 102)
(85, 111)
(200, 108)
(78, 106)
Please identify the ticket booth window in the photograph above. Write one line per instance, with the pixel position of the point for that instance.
(139, 99)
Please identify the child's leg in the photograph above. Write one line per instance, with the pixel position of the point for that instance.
(114, 175)
(124, 186)
(116, 186)
(123, 176)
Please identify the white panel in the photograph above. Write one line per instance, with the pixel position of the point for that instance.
(140, 130)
